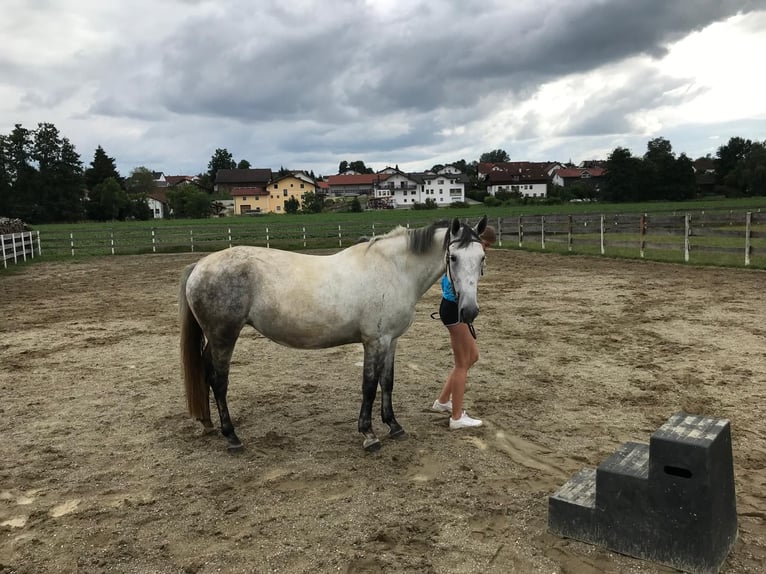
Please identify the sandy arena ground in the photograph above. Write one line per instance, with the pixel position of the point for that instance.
(102, 471)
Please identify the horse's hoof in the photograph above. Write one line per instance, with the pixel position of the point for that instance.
(371, 444)
(235, 448)
(397, 433)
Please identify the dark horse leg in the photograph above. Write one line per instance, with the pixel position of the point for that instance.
(386, 392)
(378, 370)
(374, 357)
(217, 377)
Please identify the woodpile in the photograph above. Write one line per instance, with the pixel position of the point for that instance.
(8, 225)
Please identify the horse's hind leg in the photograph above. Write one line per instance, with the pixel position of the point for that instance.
(387, 390)
(217, 375)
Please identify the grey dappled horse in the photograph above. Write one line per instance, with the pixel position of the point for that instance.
(363, 294)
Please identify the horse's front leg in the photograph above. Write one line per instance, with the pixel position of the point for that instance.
(387, 390)
(374, 361)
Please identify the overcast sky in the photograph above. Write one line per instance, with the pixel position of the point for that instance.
(307, 84)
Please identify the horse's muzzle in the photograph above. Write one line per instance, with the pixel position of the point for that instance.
(469, 313)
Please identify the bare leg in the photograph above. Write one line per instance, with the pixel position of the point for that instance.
(466, 353)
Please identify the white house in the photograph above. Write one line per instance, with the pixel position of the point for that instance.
(406, 189)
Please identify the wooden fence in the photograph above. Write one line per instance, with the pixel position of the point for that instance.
(730, 238)
(723, 237)
(15, 247)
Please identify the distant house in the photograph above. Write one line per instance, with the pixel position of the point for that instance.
(400, 189)
(528, 178)
(158, 204)
(353, 185)
(159, 179)
(250, 199)
(226, 180)
(293, 185)
(174, 180)
(569, 176)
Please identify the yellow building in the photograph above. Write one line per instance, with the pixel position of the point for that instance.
(272, 197)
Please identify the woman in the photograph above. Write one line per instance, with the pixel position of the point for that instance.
(464, 350)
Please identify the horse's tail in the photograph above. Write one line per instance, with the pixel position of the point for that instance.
(192, 360)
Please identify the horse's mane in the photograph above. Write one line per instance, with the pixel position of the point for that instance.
(419, 240)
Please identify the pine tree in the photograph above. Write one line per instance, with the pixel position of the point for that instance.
(101, 168)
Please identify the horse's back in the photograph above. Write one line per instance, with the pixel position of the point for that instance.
(300, 300)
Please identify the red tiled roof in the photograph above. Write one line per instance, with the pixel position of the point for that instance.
(245, 191)
(364, 179)
(578, 171)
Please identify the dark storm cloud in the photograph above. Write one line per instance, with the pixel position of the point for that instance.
(265, 66)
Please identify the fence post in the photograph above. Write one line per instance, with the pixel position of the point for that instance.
(229, 231)
(373, 231)
(39, 245)
(154, 242)
(642, 234)
(499, 231)
(542, 231)
(569, 233)
(2, 250)
(111, 239)
(71, 241)
(521, 231)
(304, 237)
(340, 239)
(687, 231)
(602, 235)
(267, 238)
(13, 241)
(191, 239)
(748, 222)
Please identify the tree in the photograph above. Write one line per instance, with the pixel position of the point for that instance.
(189, 201)
(221, 159)
(139, 185)
(495, 156)
(5, 179)
(57, 190)
(741, 167)
(622, 179)
(107, 200)
(101, 168)
(359, 167)
(312, 202)
(140, 181)
(356, 206)
(19, 172)
(728, 156)
(67, 177)
(243, 164)
(292, 205)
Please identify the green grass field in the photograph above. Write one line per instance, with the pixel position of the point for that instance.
(332, 230)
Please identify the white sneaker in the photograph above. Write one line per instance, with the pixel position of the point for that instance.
(464, 422)
(442, 407)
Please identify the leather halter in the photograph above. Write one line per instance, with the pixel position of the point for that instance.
(474, 239)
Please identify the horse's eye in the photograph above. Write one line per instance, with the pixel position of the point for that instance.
(453, 258)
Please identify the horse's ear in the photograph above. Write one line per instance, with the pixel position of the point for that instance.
(455, 227)
(481, 226)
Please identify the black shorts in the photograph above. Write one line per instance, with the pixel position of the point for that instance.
(448, 313)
